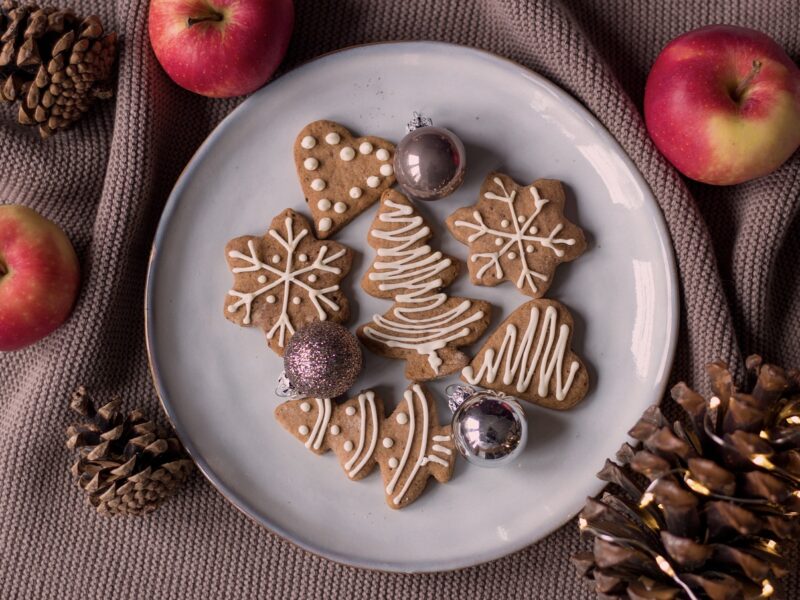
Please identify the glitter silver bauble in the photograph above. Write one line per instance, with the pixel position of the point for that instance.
(322, 359)
(429, 162)
(489, 429)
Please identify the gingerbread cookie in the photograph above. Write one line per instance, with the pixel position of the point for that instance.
(517, 233)
(529, 357)
(341, 175)
(285, 279)
(414, 448)
(350, 429)
(425, 326)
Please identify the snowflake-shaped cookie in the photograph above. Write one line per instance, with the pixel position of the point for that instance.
(517, 233)
(285, 279)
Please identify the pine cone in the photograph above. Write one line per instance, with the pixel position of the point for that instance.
(703, 510)
(53, 63)
(127, 465)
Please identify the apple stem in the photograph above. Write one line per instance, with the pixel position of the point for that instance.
(740, 89)
(213, 17)
(3, 269)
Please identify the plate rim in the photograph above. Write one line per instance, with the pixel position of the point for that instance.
(575, 106)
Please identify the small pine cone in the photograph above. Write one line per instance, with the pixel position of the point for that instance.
(50, 58)
(126, 465)
(702, 509)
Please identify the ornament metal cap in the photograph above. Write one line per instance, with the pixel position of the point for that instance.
(489, 428)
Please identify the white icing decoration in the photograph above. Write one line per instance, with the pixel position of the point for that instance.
(365, 148)
(441, 438)
(348, 446)
(388, 442)
(393, 463)
(312, 278)
(335, 430)
(347, 154)
(511, 255)
(442, 449)
(414, 271)
(271, 299)
(311, 164)
(287, 278)
(308, 142)
(529, 248)
(523, 362)
(325, 224)
(350, 411)
(296, 300)
(382, 154)
(434, 459)
(231, 309)
(302, 430)
(333, 138)
(402, 418)
(504, 223)
(276, 259)
(324, 205)
(373, 181)
(366, 404)
(321, 425)
(498, 242)
(262, 279)
(386, 170)
(340, 207)
(318, 184)
(525, 232)
(355, 193)
(305, 407)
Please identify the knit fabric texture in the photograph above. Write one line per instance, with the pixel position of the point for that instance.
(106, 182)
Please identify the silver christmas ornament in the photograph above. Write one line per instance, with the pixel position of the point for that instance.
(322, 359)
(429, 162)
(489, 428)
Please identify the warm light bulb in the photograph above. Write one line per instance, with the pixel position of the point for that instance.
(772, 544)
(647, 499)
(766, 589)
(696, 486)
(714, 402)
(762, 460)
(763, 435)
(794, 420)
(582, 523)
(664, 565)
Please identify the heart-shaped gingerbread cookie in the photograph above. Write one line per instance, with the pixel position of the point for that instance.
(341, 175)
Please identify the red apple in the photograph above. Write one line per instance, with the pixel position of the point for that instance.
(220, 48)
(722, 103)
(39, 277)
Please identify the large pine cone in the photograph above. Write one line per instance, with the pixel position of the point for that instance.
(722, 502)
(53, 63)
(127, 465)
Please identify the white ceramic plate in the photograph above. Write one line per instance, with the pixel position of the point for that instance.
(216, 379)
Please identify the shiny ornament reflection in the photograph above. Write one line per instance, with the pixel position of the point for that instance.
(430, 163)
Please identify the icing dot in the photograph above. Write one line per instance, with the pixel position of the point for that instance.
(270, 299)
(373, 181)
(231, 308)
(350, 411)
(262, 279)
(305, 407)
(276, 259)
(318, 185)
(308, 142)
(333, 138)
(303, 257)
(402, 418)
(365, 148)
(340, 207)
(355, 192)
(296, 300)
(498, 241)
(347, 153)
(529, 249)
(312, 278)
(521, 218)
(311, 163)
(388, 442)
(382, 154)
(324, 204)
(512, 255)
(504, 223)
(335, 430)
(325, 224)
(386, 170)
(533, 230)
(302, 430)
(393, 463)
(348, 446)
